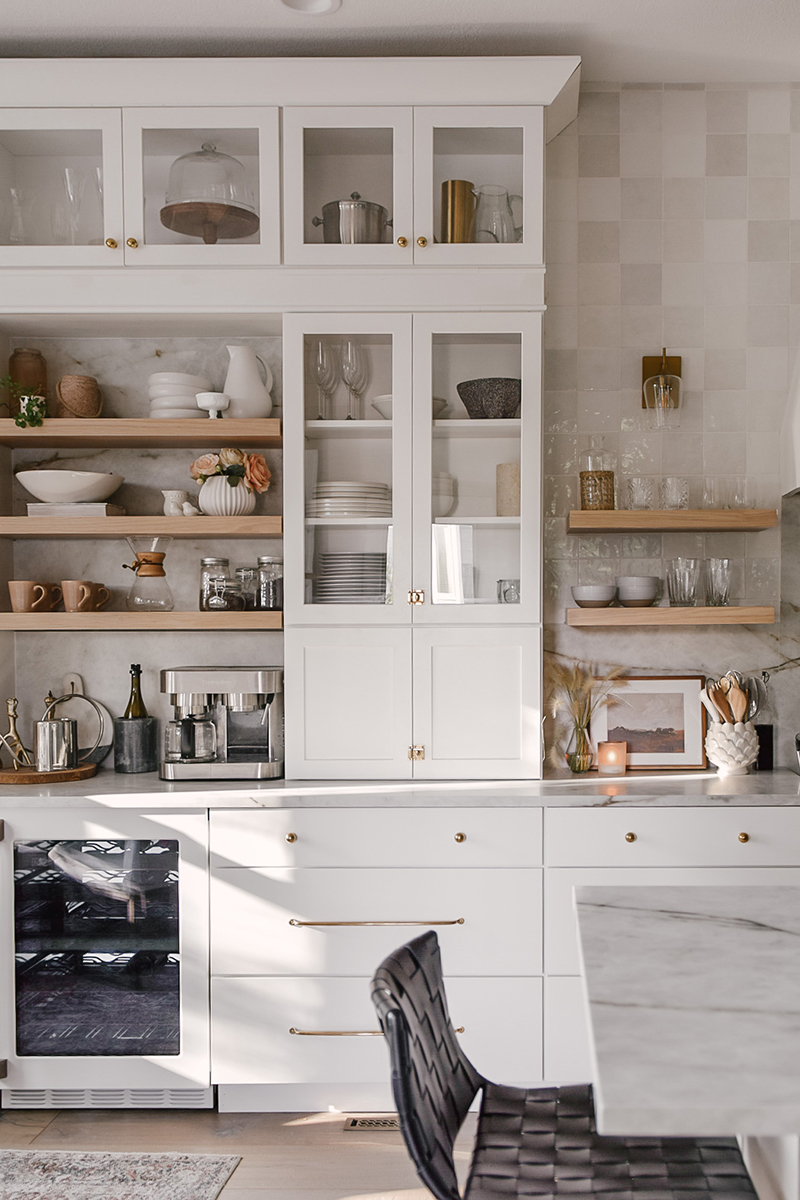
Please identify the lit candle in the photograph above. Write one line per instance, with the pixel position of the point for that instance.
(611, 757)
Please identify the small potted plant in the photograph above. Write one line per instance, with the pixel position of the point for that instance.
(230, 480)
(32, 410)
(576, 693)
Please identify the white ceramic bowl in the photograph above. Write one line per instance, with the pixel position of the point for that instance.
(159, 391)
(634, 583)
(441, 504)
(198, 383)
(69, 487)
(593, 595)
(439, 407)
(179, 414)
(383, 405)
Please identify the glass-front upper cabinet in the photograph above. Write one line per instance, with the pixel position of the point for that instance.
(105, 937)
(347, 498)
(469, 193)
(477, 381)
(201, 186)
(60, 187)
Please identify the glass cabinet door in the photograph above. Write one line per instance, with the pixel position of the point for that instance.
(107, 950)
(476, 467)
(347, 501)
(202, 186)
(478, 186)
(347, 186)
(60, 187)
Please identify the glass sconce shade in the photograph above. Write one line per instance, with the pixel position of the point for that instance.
(662, 398)
(208, 196)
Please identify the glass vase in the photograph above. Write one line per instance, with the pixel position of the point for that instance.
(579, 752)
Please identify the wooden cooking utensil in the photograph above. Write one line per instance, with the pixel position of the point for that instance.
(738, 702)
(720, 703)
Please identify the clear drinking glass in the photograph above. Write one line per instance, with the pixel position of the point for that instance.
(355, 372)
(674, 491)
(738, 492)
(74, 182)
(640, 491)
(718, 581)
(715, 491)
(325, 373)
(682, 576)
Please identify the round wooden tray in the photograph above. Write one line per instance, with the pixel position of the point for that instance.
(209, 221)
(25, 775)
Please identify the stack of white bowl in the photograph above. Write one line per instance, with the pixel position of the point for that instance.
(444, 493)
(637, 591)
(172, 395)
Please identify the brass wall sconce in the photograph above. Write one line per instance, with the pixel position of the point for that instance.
(662, 389)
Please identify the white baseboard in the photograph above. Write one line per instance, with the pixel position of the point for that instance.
(305, 1097)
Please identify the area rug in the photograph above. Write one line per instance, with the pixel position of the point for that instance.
(93, 1175)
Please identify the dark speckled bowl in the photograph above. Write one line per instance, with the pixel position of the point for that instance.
(493, 398)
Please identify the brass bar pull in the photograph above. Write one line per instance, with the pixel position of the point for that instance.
(352, 924)
(336, 1032)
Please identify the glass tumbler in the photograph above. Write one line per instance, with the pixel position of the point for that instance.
(674, 492)
(718, 581)
(682, 576)
(640, 491)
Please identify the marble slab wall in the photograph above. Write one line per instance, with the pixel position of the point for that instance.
(674, 219)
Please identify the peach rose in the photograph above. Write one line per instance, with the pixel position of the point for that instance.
(256, 472)
(203, 466)
(229, 457)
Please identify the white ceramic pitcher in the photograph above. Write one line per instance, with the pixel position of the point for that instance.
(248, 395)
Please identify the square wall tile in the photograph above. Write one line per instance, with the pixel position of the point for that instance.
(683, 325)
(561, 327)
(794, 111)
(684, 199)
(561, 370)
(639, 156)
(725, 241)
(641, 325)
(640, 241)
(794, 292)
(641, 199)
(681, 453)
(560, 454)
(561, 242)
(768, 110)
(767, 241)
(725, 282)
(684, 112)
(726, 326)
(767, 367)
(765, 410)
(726, 199)
(725, 369)
(598, 412)
(683, 241)
(598, 113)
(768, 325)
(561, 199)
(598, 283)
(763, 452)
(683, 283)
(599, 199)
(683, 154)
(640, 111)
(598, 155)
(726, 112)
(560, 412)
(794, 241)
(641, 283)
(725, 412)
(724, 453)
(561, 155)
(598, 369)
(598, 327)
(726, 153)
(557, 542)
(598, 241)
(768, 199)
(768, 154)
(561, 283)
(640, 453)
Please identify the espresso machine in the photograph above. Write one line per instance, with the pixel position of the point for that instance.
(227, 723)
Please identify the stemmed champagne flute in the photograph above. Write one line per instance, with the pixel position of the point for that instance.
(355, 372)
(325, 374)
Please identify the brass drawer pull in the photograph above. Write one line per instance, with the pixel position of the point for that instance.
(422, 241)
(111, 243)
(459, 837)
(336, 1032)
(402, 242)
(351, 924)
(630, 837)
(290, 837)
(744, 837)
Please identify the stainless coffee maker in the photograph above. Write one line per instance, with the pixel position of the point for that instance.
(228, 723)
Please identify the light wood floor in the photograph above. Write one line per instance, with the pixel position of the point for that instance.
(285, 1156)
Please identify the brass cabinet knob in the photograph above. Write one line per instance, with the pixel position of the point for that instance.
(422, 241)
(111, 243)
(132, 242)
(402, 242)
(291, 837)
(460, 837)
(744, 837)
(630, 837)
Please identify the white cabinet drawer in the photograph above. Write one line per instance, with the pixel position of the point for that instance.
(252, 909)
(567, 1057)
(389, 837)
(251, 1018)
(678, 837)
(560, 926)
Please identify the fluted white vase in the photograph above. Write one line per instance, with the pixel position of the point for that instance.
(732, 748)
(218, 499)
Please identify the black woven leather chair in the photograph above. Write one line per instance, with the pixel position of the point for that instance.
(539, 1142)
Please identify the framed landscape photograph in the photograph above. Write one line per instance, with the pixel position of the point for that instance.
(662, 719)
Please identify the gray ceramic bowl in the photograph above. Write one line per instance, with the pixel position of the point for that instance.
(493, 398)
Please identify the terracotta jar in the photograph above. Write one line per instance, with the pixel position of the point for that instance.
(28, 369)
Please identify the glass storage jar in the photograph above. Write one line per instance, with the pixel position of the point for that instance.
(211, 568)
(225, 595)
(270, 583)
(596, 475)
(247, 577)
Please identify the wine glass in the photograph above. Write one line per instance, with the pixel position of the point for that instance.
(74, 182)
(325, 375)
(355, 372)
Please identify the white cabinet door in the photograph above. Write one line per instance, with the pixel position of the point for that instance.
(331, 153)
(567, 1054)
(348, 703)
(104, 937)
(347, 498)
(242, 227)
(61, 184)
(491, 147)
(252, 1018)
(337, 922)
(462, 548)
(477, 703)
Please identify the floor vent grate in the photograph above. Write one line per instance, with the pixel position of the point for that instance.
(376, 1124)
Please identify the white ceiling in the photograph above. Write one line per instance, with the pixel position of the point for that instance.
(668, 41)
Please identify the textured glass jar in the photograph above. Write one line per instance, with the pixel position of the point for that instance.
(270, 583)
(247, 578)
(211, 568)
(596, 475)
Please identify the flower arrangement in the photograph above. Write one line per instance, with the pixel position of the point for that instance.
(31, 410)
(578, 691)
(238, 467)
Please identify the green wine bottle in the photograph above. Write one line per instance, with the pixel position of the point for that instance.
(136, 705)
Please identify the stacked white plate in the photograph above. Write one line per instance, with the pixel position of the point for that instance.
(172, 395)
(348, 498)
(355, 578)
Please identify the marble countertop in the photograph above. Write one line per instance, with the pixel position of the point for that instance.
(641, 789)
(694, 1003)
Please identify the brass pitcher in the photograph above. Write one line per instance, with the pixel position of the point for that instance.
(458, 208)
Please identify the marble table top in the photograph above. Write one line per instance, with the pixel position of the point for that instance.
(694, 1004)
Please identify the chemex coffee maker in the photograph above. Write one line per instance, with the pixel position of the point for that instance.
(228, 723)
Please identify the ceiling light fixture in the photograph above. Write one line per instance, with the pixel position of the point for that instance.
(312, 8)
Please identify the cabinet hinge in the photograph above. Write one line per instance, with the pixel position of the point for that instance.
(416, 753)
(416, 596)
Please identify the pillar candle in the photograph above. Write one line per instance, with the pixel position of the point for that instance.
(611, 758)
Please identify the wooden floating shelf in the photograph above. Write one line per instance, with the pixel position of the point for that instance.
(126, 432)
(675, 520)
(120, 527)
(120, 622)
(586, 618)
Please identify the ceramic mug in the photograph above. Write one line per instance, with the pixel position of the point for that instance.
(77, 595)
(28, 596)
(53, 595)
(100, 595)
